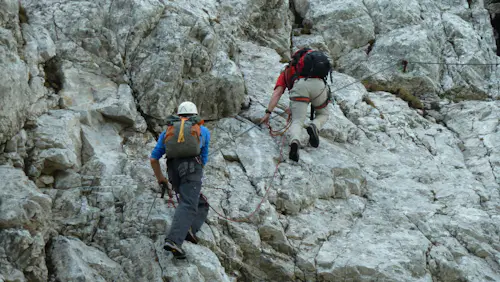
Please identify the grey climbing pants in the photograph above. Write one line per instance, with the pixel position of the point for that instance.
(185, 176)
(316, 91)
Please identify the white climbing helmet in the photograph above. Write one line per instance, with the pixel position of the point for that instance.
(186, 108)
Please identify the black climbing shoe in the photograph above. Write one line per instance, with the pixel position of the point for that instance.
(172, 247)
(294, 151)
(191, 237)
(313, 135)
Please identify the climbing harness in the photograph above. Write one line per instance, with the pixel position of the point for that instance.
(281, 132)
(274, 133)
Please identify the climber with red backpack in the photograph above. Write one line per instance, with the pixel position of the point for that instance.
(185, 146)
(305, 76)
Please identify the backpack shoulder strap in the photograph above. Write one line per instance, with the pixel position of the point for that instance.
(296, 57)
(196, 120)
(171, 119)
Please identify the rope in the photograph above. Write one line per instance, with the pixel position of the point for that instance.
(281, 132)
(361, 79)
(405, 63)
(232, 140)
(274, 133)
(270, 185)
(144, 223)
(498, 81)
(244, 219)
(455, 64)
(170, 201)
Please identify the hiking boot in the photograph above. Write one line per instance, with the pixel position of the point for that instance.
(191, 237)
(294, 151)
(172, 247)
(313, 135)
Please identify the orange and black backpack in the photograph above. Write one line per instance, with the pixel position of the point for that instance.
(182, 139)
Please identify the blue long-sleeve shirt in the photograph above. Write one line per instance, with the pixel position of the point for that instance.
(159, 149)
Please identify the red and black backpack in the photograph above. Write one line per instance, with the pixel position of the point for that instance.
(309, 63)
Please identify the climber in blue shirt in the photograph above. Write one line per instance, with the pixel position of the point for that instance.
(159, 149)
(185, 177)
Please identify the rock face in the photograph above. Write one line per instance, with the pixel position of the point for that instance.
(57, 143)
(25, 215)
(72, 259)
(403, 187)
(15, 98)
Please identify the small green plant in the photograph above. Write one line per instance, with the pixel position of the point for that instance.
(400, 92)
(214, 20)
(372, 87)
(369, 101)
(413, 101)
(305, 31)
(283, 60)
(463, 93)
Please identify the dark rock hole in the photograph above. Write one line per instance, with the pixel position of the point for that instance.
(370, 46)
(53, 75)
(51, 269)
(495, 23)
(23, 17)
(298, 23)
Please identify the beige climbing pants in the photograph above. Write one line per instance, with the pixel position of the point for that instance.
(317, 92)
